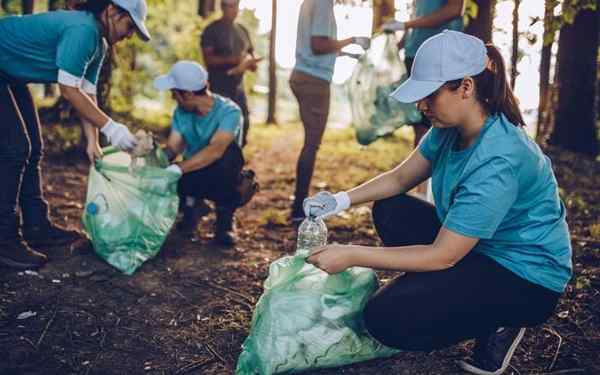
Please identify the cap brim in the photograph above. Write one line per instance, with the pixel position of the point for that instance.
(164, 82)
(141, 29)
(412, 90)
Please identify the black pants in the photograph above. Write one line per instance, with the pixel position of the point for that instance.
(21, 152)
(217, 182)
(431, 310)
(239, 97)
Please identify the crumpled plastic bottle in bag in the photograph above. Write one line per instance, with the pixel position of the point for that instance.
(307, 319)
(378, 73)
(129, 212)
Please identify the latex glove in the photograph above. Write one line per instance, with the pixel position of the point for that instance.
(391, 26)
(118, 135)
(175, 169)
(363, 41)
(325, 204)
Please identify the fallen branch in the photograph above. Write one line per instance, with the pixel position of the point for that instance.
(247, 300)
(195, 366)
(567, 371)
(560, 340)
(39, 341)
(216, 354)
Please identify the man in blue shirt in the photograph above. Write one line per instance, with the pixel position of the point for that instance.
(207, 130)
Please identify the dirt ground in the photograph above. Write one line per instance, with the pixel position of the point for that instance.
(188, 310)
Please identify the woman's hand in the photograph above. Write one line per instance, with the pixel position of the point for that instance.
(333, 258)
(93, 151)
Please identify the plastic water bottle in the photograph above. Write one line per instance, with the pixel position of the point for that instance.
(311, 233)
(97, 206)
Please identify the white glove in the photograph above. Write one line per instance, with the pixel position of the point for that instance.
(119, 136)
(392, 26)
(363, 41)
(325, 204)
(175, 169)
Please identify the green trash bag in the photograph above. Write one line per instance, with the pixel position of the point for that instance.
(130, 207)
(378, 73)
(307, 319)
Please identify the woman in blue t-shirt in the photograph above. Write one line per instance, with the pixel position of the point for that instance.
(493, 256)
(67, 47)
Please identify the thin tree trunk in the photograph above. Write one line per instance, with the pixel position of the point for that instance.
(27, 6)
(546, 57)
(271, 115)
(575, 119)
(515, 44)
(206, 7)
(481, 26)
(383, 11)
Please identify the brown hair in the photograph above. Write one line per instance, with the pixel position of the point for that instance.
(493, 90)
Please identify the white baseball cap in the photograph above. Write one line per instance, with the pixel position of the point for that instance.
(138, 11)
(443, 57)
(184, 75)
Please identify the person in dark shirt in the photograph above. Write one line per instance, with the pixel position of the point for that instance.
(228, 53)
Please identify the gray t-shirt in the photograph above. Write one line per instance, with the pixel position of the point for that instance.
(225, 39)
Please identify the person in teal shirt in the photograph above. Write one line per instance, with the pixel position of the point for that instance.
(207, 131)
(430, 18)
(65, 47)
(493, 255)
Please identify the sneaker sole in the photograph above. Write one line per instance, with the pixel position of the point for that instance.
(24, 266)
(476, 370)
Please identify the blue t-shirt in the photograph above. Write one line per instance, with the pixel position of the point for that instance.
(316, 19)
(502, 190)
(417, 36)
(34, 48)
(197, 131)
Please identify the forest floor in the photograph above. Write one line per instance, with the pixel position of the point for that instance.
(188, 310)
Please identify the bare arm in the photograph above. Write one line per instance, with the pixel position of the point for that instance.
(91, 133)
(447, 250)
(411, 172)
(321, 45)
(175, 145)
(452, 9)
(205, 157)
(85, 105)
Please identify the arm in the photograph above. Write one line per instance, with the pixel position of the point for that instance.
(411, 172)
(205, 157)
(93, 150)
(447, 250)
(321, 45)
(212, 59)
(175, 145)
(85, 105)
(452, 9)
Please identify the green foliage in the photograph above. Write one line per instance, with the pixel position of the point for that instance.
(569, 10)
(471, 11)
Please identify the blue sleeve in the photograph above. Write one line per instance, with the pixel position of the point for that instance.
(76, 49)
(480, 203)
(93, 70)
(323, 19)
(430, 144)
(231, 120)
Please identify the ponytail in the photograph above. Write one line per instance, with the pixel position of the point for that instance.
(494, 91)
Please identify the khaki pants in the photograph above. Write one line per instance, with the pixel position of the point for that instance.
(313, 96)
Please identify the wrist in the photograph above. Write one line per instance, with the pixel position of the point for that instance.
(343, 200)
(108, 127)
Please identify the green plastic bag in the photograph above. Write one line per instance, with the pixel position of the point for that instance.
(378, 73)
(130, 207)
(307, 319)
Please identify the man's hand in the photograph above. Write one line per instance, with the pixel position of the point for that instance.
(248, 63)
(118, 135)
(392, 26)
(362, 41)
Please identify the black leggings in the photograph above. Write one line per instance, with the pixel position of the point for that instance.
(21, 151)
(431, 310)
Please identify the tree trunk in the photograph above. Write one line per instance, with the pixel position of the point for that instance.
(481, 26)
(206, 8)
(546, 56)
(514, 59)
(575, 119)
(383, 11)
(271, 115)
(27, 6)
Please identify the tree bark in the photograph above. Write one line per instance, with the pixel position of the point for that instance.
(481, 26)
(383, 11)
(271, 114)
(575, 117)
(514, 59)
(27, 6)
(206, 8)
(545, 60)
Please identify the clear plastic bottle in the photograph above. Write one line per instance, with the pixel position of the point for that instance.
(312, 232)
(98, 206)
